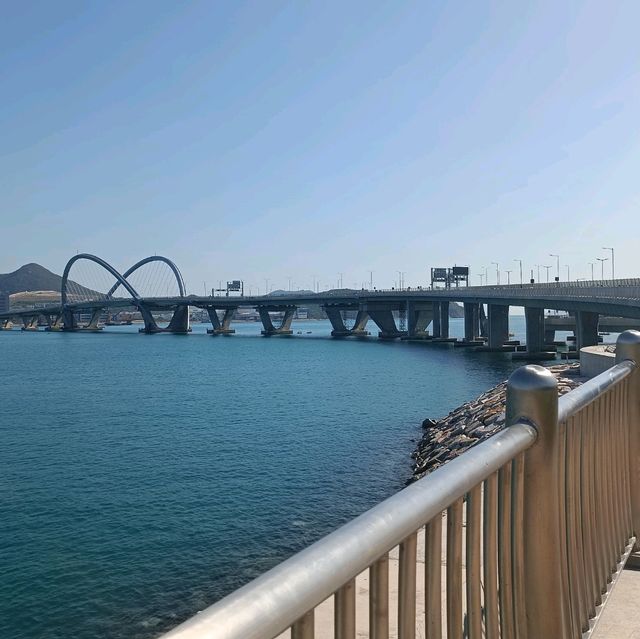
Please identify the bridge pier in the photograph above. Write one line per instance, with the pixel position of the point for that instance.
(179, 323)
(498, 326)
(285, 325)
(30, 322)
(339, 328)
(534, 319)
(471, 324)
(221, 327)
(382, 314)
(419, 316)
(586, 329)
(6, 324)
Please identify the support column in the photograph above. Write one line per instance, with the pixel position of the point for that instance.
(285, 325)
(337, 323)
(498, 325)
(382, 315)
(150, 325)
(180, 321)
(221, 327)
(586, 329)
(360, 326)
(534, 318)
(436, 329)
(69, 320)
(419, 316)
(470, 321)
(93, 324)
(444, 320)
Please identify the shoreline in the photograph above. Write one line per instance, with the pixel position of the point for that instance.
(474, 421)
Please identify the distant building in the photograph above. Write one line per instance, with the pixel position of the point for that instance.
(4, 302)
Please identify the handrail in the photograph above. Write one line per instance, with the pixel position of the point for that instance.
(579, 398)
(285, 593)
(547, 512)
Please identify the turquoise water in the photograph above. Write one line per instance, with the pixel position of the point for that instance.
(143, 477)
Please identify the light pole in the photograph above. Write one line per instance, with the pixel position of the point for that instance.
(497, 272)
(557, 265)
(401, 275)
(613, 264)
(508, 276)
(205, 288)
(520, 261)
(592, 276)
(538, 267)
(481, 276)
(289, 278)
(266, 286)
(547, 267)
(602, 260)
(370, 280)
(568, 274)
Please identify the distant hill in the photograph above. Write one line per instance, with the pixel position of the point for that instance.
(32, 277)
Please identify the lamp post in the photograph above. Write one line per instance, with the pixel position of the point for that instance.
(602, 260)
(592, 276)
(497, 272)
(370, 280)
(547, 267)
(568, 273)
(520, 261)
(613, 264)
(481, 276)
(538, 267)
(557, 265)
(508, 276)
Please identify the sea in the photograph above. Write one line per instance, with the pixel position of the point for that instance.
(143, 477)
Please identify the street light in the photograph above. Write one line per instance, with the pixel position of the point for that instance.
(497, 273)
(401, 275)
(557, 264)
(547, 267)
(520, 261)
(481, 276)
(613, 264)
(370, 280)
(538, 267)
(602, 260)
(340, 276)
(508, 276)
(592, 275)
(568, 275)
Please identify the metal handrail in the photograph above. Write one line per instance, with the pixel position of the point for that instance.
(274, 601)
(581, 397)
(549, 510)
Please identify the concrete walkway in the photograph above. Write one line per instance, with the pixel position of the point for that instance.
(620, 618)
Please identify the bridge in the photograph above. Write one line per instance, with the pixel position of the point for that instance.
(411, 313)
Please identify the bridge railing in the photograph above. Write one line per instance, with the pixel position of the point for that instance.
(523, 535)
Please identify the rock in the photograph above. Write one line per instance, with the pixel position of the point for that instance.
(473, 422)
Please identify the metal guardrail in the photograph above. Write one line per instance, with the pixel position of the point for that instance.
(532, 525)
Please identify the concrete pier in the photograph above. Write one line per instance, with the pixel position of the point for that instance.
(221, 327)
(285, 325)
(498, 325)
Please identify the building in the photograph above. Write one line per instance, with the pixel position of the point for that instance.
(4, 302)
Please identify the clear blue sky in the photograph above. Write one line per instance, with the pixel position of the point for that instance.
(274, 139)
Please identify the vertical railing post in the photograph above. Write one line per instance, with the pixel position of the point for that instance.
(628, 347)
(532, 396)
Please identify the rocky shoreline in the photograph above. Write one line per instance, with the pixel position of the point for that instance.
(446, 438)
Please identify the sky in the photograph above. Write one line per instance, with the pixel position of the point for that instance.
(304, 140)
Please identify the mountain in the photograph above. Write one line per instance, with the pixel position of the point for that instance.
(30, 277)
(33, 277)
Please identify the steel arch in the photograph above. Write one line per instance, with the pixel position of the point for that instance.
(146, 260)
(100, 262)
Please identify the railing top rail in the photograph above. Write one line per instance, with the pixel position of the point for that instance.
(578, 398)
(274, 601)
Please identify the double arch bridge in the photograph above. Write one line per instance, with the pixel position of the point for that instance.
(417, 314)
